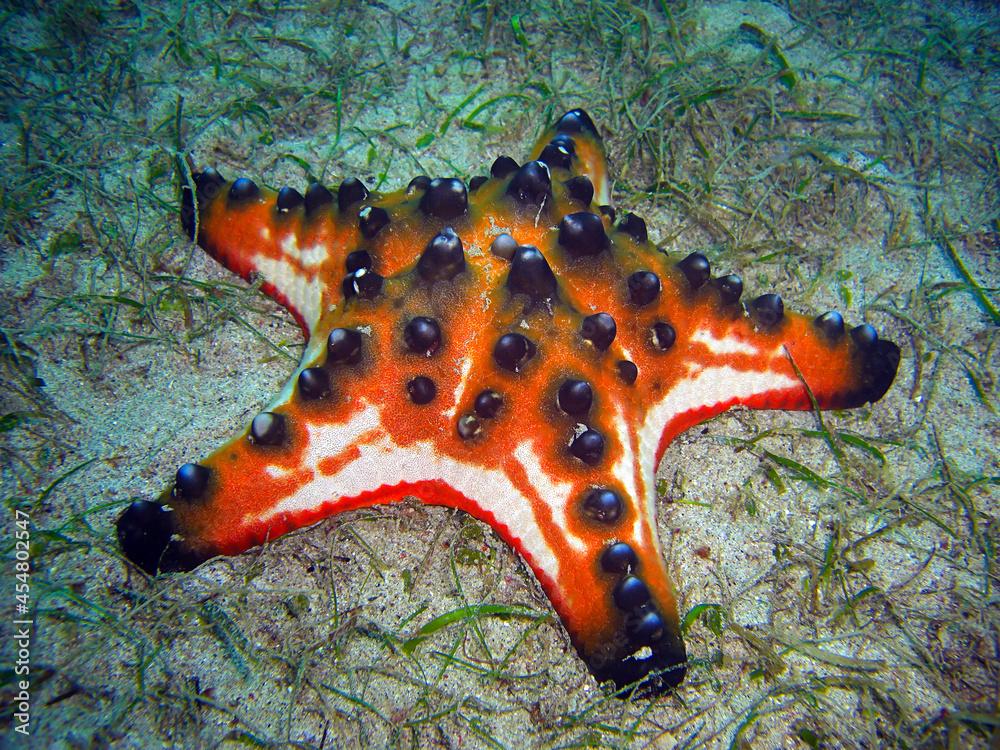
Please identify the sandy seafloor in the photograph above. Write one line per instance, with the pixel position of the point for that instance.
(854, 609)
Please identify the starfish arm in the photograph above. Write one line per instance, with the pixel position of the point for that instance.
(575, 142)
(700, 351)
(288, 241)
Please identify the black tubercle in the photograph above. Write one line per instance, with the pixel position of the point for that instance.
(865, 336)
(696, 270)
(351, 191)
(477, 182)
(317, 197)
(576, 121)
(420, 182)
(645, 625)
(422, 335)
(503, 166)
(358, 259)
(144, 531)
(504, 246)
(468, 426)
(630, 593)
(619, 558)
(512, 351)
(446, 198)
(729, 287)
(564, 141)
(191, 481)
(531, 274)
(363, 283)
(268, 428)
(207, 185)
(288, 198)
(635, 227)
(421, 390)
(531, 185)
(488, 403)
(443, 258)
(559, 152)
(767, 310)
(580, 189)
(831, 324)
(608, 211)
(343, 345)
(627, 371)
(588, 446)
(664, 335)
(643, 288)
(314, 383)
(371, 220)
(599, 329)
(604, 506)
(582, 234)
(575, 397)
(243, 189)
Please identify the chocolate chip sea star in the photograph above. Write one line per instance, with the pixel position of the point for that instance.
(508, 347)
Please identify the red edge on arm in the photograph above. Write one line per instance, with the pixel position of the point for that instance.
(430, 492)
(791, 399)
(239, 264)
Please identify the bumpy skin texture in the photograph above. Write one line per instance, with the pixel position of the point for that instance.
(533, 382)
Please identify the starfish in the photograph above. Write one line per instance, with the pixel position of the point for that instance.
(508, 347)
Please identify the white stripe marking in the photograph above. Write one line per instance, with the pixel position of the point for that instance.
(556, 495)
(703, 389)
(726, 345)
(309, 257)
(303, 294)
(490, 489)
(463, 381)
